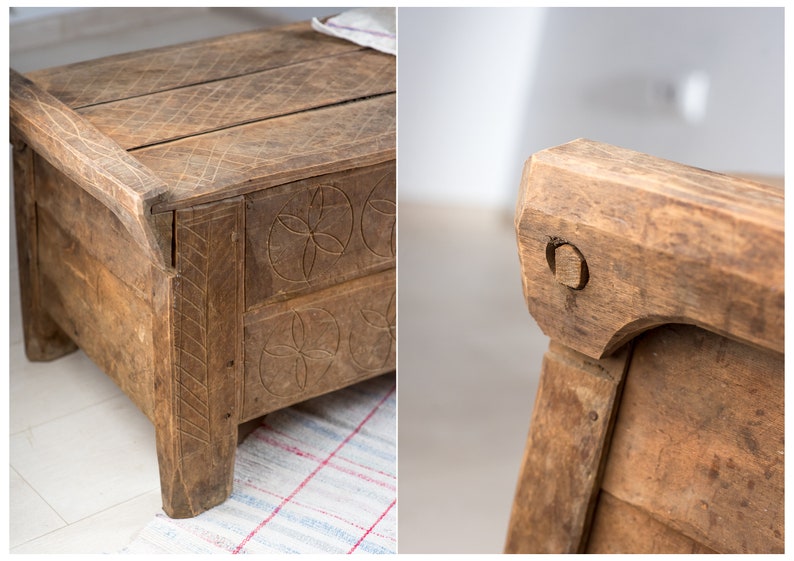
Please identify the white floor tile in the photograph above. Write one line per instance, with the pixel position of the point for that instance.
(106, 532)
(89, 461)
(44, 391)
(30, 516)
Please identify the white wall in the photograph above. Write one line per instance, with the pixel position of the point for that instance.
(480, 90)
(463, 83)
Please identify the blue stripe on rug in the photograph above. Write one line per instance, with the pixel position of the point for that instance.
(318, 477)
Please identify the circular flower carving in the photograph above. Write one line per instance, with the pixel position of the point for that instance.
(298, 351)
(374, 335)
(379, 220)
(310, 233)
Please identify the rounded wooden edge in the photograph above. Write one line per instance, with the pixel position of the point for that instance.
(661, 242)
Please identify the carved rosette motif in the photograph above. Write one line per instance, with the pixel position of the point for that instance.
(379, 219)
(298, 351)
(310, 233)
(373, 334)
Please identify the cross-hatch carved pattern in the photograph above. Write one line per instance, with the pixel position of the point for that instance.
(196, 239)
(205, 107)
(379, 218)
(310, 233)
(113, 164)
(373, 334)
(192, 393)
(144, 72)
(211, 163)
(298, 351)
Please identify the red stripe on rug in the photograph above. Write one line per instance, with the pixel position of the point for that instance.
(308, 455)
(368, 532)
(312, 474)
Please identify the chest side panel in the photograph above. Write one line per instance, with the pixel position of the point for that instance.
(698, 440)
(97, 284)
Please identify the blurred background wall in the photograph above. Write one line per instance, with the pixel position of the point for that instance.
(482, 89)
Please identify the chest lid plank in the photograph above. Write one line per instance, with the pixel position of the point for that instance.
(231, 115)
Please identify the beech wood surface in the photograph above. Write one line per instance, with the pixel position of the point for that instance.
(166, 201)
(663, 243)
(192, 110)
(88, 157)
(313, 344)
(686, 266)
(699, 441)
(315, 233)
(44, 339)
(263, 154)
(571, 427)
(154, 70)
(197, 412)
(618, 524)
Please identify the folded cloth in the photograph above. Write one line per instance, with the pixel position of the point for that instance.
(369, 27)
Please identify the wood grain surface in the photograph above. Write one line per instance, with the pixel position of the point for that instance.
(570, 432)
(197, 412)
(263, 154)
(686, 266)
(44, 339)
(699, 442)
(87, 157)
(149, 71)
(314, 233)
(313, 344)
(193, 110)
(620, 528)
(663, 243)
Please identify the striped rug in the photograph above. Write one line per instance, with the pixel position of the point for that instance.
(318, 477)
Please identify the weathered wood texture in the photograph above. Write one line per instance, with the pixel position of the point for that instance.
(95, 282)
(571, 427)
(154, 70)
(188, 111)
(314, 233)
(88, 157)
(621, 528)
(663, 243)
(687, 265)
(259, 155)
(698, 441)
(197, 412)
(310, 345)
(44, 340)
(178, 207)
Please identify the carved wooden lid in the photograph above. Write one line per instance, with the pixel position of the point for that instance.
(230, 115)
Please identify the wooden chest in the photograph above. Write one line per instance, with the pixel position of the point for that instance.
(214, 225)
(658, 425)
